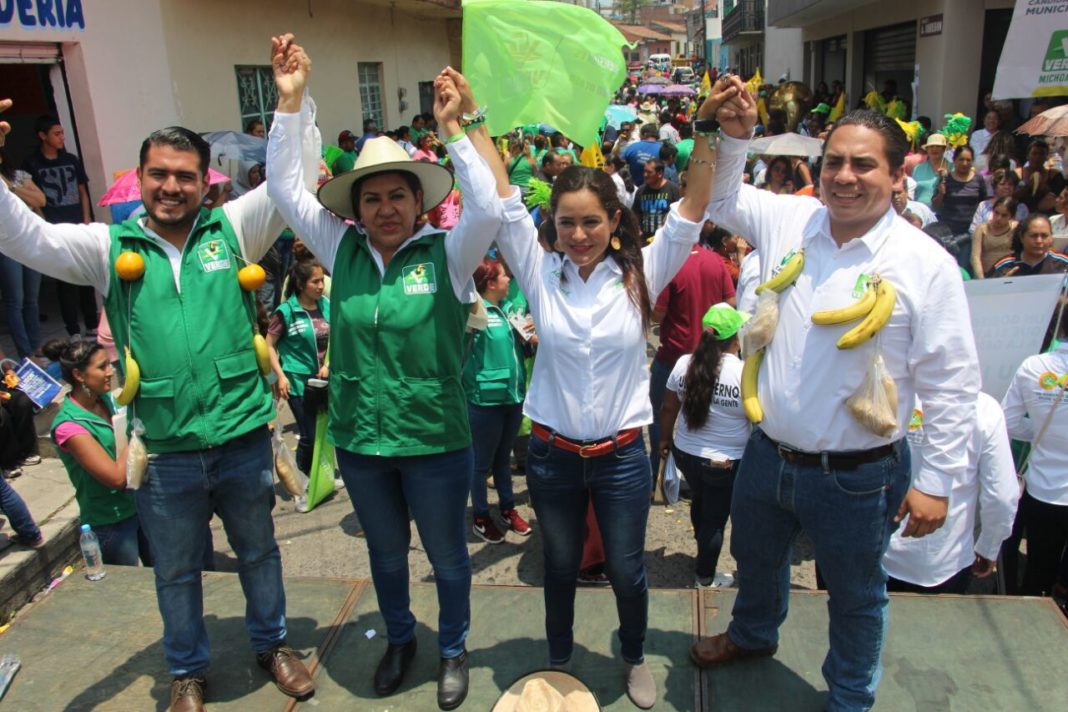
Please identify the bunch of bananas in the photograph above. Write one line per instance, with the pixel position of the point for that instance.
(874, 308)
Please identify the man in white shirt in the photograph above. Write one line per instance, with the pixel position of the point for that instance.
(810, 465)
(945, 561)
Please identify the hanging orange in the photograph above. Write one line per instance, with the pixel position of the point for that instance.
(130, 266)
(251, 277)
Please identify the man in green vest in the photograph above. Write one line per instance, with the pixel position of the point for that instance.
(186, 321)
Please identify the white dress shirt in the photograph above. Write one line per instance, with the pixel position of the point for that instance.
(805, 379)
(465, 245)
(748, 281)
(988, 488)
(726, 432)
(591, 377)
(1028, 402)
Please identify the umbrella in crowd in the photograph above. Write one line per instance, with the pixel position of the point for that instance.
(618, 113)
(234, 144)
(787, 144)
(656, 80)
(651, 88)
(678, 90)
(128, 188)
(1051, 122)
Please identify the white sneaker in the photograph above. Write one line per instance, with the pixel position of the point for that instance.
(339, 483)
(723, 579)
(302, 505)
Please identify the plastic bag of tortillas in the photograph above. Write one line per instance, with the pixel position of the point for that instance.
(757, 333)
(285, 464)
(874, 405)
(136, 456)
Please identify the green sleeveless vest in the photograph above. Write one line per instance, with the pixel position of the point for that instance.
(200, 385)
(297, 349)
(98, 504)
(395, 351)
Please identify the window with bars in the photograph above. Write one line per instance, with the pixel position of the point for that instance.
(257, 95)
(370, 79)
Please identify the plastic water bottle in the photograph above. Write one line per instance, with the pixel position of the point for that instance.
(94, 560)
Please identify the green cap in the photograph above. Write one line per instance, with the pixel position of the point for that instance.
(724, 320)
(822, 108)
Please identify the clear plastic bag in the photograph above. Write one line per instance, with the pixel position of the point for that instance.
(285, 464)
(136, 457)
(874, 405)
(759, 331)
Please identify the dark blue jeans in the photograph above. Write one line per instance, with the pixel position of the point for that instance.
(561, 484)
(18, 514)
(710, 507)
(658, 377)
(306, 428)
(123, 543)
(493, 430)
(434, 488)
(849, 516)
(20, 286)
(175, 504)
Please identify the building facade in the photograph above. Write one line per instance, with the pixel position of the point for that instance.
(115, 70)
(753, 43)
(940, 54)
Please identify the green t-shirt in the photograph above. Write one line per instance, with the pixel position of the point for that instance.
(344, 163)
(520, 172)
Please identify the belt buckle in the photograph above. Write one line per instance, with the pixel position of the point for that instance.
(783, 451)
(584, 448)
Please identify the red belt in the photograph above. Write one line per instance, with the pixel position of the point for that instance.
(586, 448)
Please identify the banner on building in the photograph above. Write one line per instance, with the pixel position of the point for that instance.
(1009, 320)
(1034, 61)
(542, 63)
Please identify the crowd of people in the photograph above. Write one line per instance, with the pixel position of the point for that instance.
(464, 296)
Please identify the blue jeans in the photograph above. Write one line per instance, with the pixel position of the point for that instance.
(493, 430)
(20, 286)
(123, 543)
(561, 483)
(849, 516)
(710, 507)
(658, 377)
(175, 504)
(306, 428)
(18, 514)
(434, 488)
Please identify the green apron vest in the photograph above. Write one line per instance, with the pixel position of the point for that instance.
(395, 352)
(297, 349)
(97, 503)
(493, 369)
(200, 384)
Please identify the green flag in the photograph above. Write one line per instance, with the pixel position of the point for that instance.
(534, 61)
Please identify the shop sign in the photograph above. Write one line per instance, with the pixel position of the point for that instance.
(42, 14)
(930, 26)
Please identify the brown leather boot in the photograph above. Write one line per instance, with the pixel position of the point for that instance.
(721, 649)
(288, 671)
(187, 695)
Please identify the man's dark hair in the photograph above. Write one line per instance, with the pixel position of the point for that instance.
(668, 152)
(648, 130)
(686, 130)
(404, 132)
(44, 123)
(557, 139)
(370, 125)
(896, 143)
(1037, 143)
(548, 158)
(665, 117)
(658, 165)
(180, 139)
(252, 123)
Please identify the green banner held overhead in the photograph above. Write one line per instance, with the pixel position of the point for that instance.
(533, 62)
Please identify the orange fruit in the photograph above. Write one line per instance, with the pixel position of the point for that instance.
(130, 266)
(251, 277)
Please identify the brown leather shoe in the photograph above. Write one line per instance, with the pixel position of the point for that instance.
(287, 670)
(721, 649)
(187, 695)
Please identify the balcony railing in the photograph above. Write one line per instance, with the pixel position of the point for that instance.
(746, 17)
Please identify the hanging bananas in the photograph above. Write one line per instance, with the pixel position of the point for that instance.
(885, 298)
(787, 275)
(133, 379)
(263, 354)
(858, 309)
(750, 399)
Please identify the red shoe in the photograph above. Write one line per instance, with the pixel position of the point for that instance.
(512, 520)
(487, 531)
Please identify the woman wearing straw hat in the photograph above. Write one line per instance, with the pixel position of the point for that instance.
(932, 171)
(401, 294)
(589, 397)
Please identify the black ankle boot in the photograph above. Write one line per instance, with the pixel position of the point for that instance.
(452, 681)
(391, 669)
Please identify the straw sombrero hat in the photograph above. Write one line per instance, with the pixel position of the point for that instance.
(381, 155)
(547, 691)
(935, 139)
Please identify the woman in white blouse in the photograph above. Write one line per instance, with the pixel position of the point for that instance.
(1036, 410)
(589, 395)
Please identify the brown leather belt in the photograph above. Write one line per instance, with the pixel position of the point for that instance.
(586, 448)
(849, 460)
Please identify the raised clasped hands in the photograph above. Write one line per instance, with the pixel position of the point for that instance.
(291, 66)
(733, 106)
